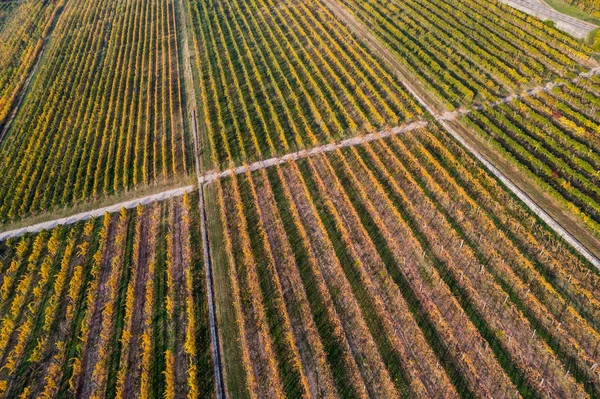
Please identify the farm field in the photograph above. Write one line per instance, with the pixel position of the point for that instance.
(23, 27)
(104, 112)
(276, 77)
(319, 262)
(117, 301)
(553, 136)
(297, 199)
(470, 52)
(590, 6)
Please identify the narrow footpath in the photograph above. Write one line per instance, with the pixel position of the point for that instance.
(191, 103)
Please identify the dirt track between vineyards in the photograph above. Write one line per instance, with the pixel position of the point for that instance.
(95, 213)
(294, 156)
(210, 177)
(450, 116)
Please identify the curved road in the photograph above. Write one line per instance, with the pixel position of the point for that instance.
(539, 8)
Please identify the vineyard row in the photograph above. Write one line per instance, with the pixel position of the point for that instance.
(553, 137)
(471, 52)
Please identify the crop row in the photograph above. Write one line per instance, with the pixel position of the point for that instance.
(5, 10)
(23, 27)
(111, 307)
(104, 111)
(281, 75)
(590, 6)
(470, 51)
(553, 136)
(396, 268)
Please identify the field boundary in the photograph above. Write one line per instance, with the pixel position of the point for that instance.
(544, 11)
(212, 176)
(210, 281)
(191, 104)
(524, 197)
(294, 156)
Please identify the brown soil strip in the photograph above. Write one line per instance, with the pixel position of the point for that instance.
(133, 376)
(90, 356)
(181, 363)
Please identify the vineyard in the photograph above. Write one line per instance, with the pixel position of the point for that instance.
(318, 262)
(104, 113)
(276, 76)
(117, 300)
(379, 195)
(23, 28)
(5, 10)
(591, 6)
(553, 136)
(470, 51)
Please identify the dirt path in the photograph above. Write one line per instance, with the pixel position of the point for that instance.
(450, 116)
(539, 8)
(210, 177)
(210, 282)
(96, 212)
(294, 156)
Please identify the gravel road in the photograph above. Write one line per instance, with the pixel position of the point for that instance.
(95, 213)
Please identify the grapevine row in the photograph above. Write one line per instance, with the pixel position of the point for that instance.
(257, 60)
(470, 52)
(552, 137)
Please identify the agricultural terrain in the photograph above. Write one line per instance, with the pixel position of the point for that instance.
(24, 26)
(553, 136)
(318, 262)
(104, 112)
(590, 6)
(470, 52)
(562, 16)
(117, 299)
(297, 199)
(278, 78)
